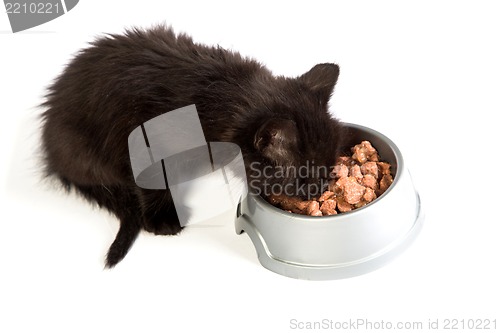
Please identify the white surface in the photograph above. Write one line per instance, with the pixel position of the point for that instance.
(426, 74)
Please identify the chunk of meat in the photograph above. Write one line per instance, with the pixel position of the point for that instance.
(345, 160)
(294, 204)
(343, 206)
(341, 182)
(369, 195)
(364, 152)
(312, 207)
(340, 171)
(384, 168)
(326, 195)
(328, 207)
(353, 191)
(316, 213)
(370, 168)
(369, 181)
(355, 171)
(385, 183)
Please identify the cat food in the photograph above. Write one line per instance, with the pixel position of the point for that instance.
(356, 181)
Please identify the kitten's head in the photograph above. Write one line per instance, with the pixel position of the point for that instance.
(296, 141)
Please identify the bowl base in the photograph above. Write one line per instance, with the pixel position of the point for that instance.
(329, 272)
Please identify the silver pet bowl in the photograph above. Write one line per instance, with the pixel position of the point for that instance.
(343, 245)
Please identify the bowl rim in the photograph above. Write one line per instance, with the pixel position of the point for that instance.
(346, 215)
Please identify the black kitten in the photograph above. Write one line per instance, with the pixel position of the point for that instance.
(121, 81)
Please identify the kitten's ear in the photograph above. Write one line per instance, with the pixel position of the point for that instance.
(276, 139)
(321, 79)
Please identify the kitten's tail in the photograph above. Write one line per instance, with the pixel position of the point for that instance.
(127, 234)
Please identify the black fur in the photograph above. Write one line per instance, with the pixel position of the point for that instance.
(121, 81)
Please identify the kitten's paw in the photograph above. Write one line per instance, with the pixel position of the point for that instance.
(166, 229)
(163, 228)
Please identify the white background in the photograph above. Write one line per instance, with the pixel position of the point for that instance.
(425, 73)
